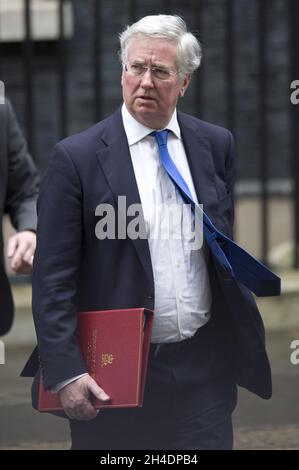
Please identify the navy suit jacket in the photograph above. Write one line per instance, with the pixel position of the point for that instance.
(75, 271)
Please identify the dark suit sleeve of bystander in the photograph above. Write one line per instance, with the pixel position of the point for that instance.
(22, 176)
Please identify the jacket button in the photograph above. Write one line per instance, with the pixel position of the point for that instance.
(150, 296)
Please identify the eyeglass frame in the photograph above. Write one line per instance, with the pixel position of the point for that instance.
(145, 68)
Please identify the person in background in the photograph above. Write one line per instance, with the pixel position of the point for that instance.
(18, 194)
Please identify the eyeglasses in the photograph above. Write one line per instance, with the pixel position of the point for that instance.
(138, 70)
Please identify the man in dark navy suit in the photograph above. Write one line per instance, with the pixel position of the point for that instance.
(207, 335)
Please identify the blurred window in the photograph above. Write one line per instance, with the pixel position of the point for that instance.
(44, 20)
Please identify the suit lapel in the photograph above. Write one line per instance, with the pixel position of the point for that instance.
(115, 161)
(200, 159)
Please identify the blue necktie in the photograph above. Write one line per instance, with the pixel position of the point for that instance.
(235, 260)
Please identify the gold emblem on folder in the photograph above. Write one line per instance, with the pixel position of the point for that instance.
(106, 359)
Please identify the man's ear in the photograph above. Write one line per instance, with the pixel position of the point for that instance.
(185, 84)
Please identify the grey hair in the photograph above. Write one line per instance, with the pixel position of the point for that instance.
(170, 28)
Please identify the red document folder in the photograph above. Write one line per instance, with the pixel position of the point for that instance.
(115, 346)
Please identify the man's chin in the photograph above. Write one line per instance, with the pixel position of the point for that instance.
(147, 117)
(144, 106)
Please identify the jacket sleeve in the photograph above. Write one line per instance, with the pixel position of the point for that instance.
(23, 179)
(56, 267)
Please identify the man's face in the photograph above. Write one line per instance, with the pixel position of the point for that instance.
(150, 100)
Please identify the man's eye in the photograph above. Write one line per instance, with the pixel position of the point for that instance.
(137, 67)
(161, 72)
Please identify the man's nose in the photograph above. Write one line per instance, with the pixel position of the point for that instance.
(147, 79)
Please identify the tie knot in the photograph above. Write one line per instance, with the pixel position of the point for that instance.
(161, 137)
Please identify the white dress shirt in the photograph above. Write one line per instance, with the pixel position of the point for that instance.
(182, 288)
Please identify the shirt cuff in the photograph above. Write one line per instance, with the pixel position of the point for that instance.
(60, 385)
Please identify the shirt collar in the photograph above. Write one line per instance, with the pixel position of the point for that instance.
(136, 131)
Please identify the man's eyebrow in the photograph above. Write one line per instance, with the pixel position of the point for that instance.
(156, 64)
(160, 66)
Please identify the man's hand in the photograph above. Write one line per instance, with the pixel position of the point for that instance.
(75, 398)
(20, 249)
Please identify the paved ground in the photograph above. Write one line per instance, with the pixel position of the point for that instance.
(259, 424)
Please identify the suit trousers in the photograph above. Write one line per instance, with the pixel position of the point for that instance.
(190, 395)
